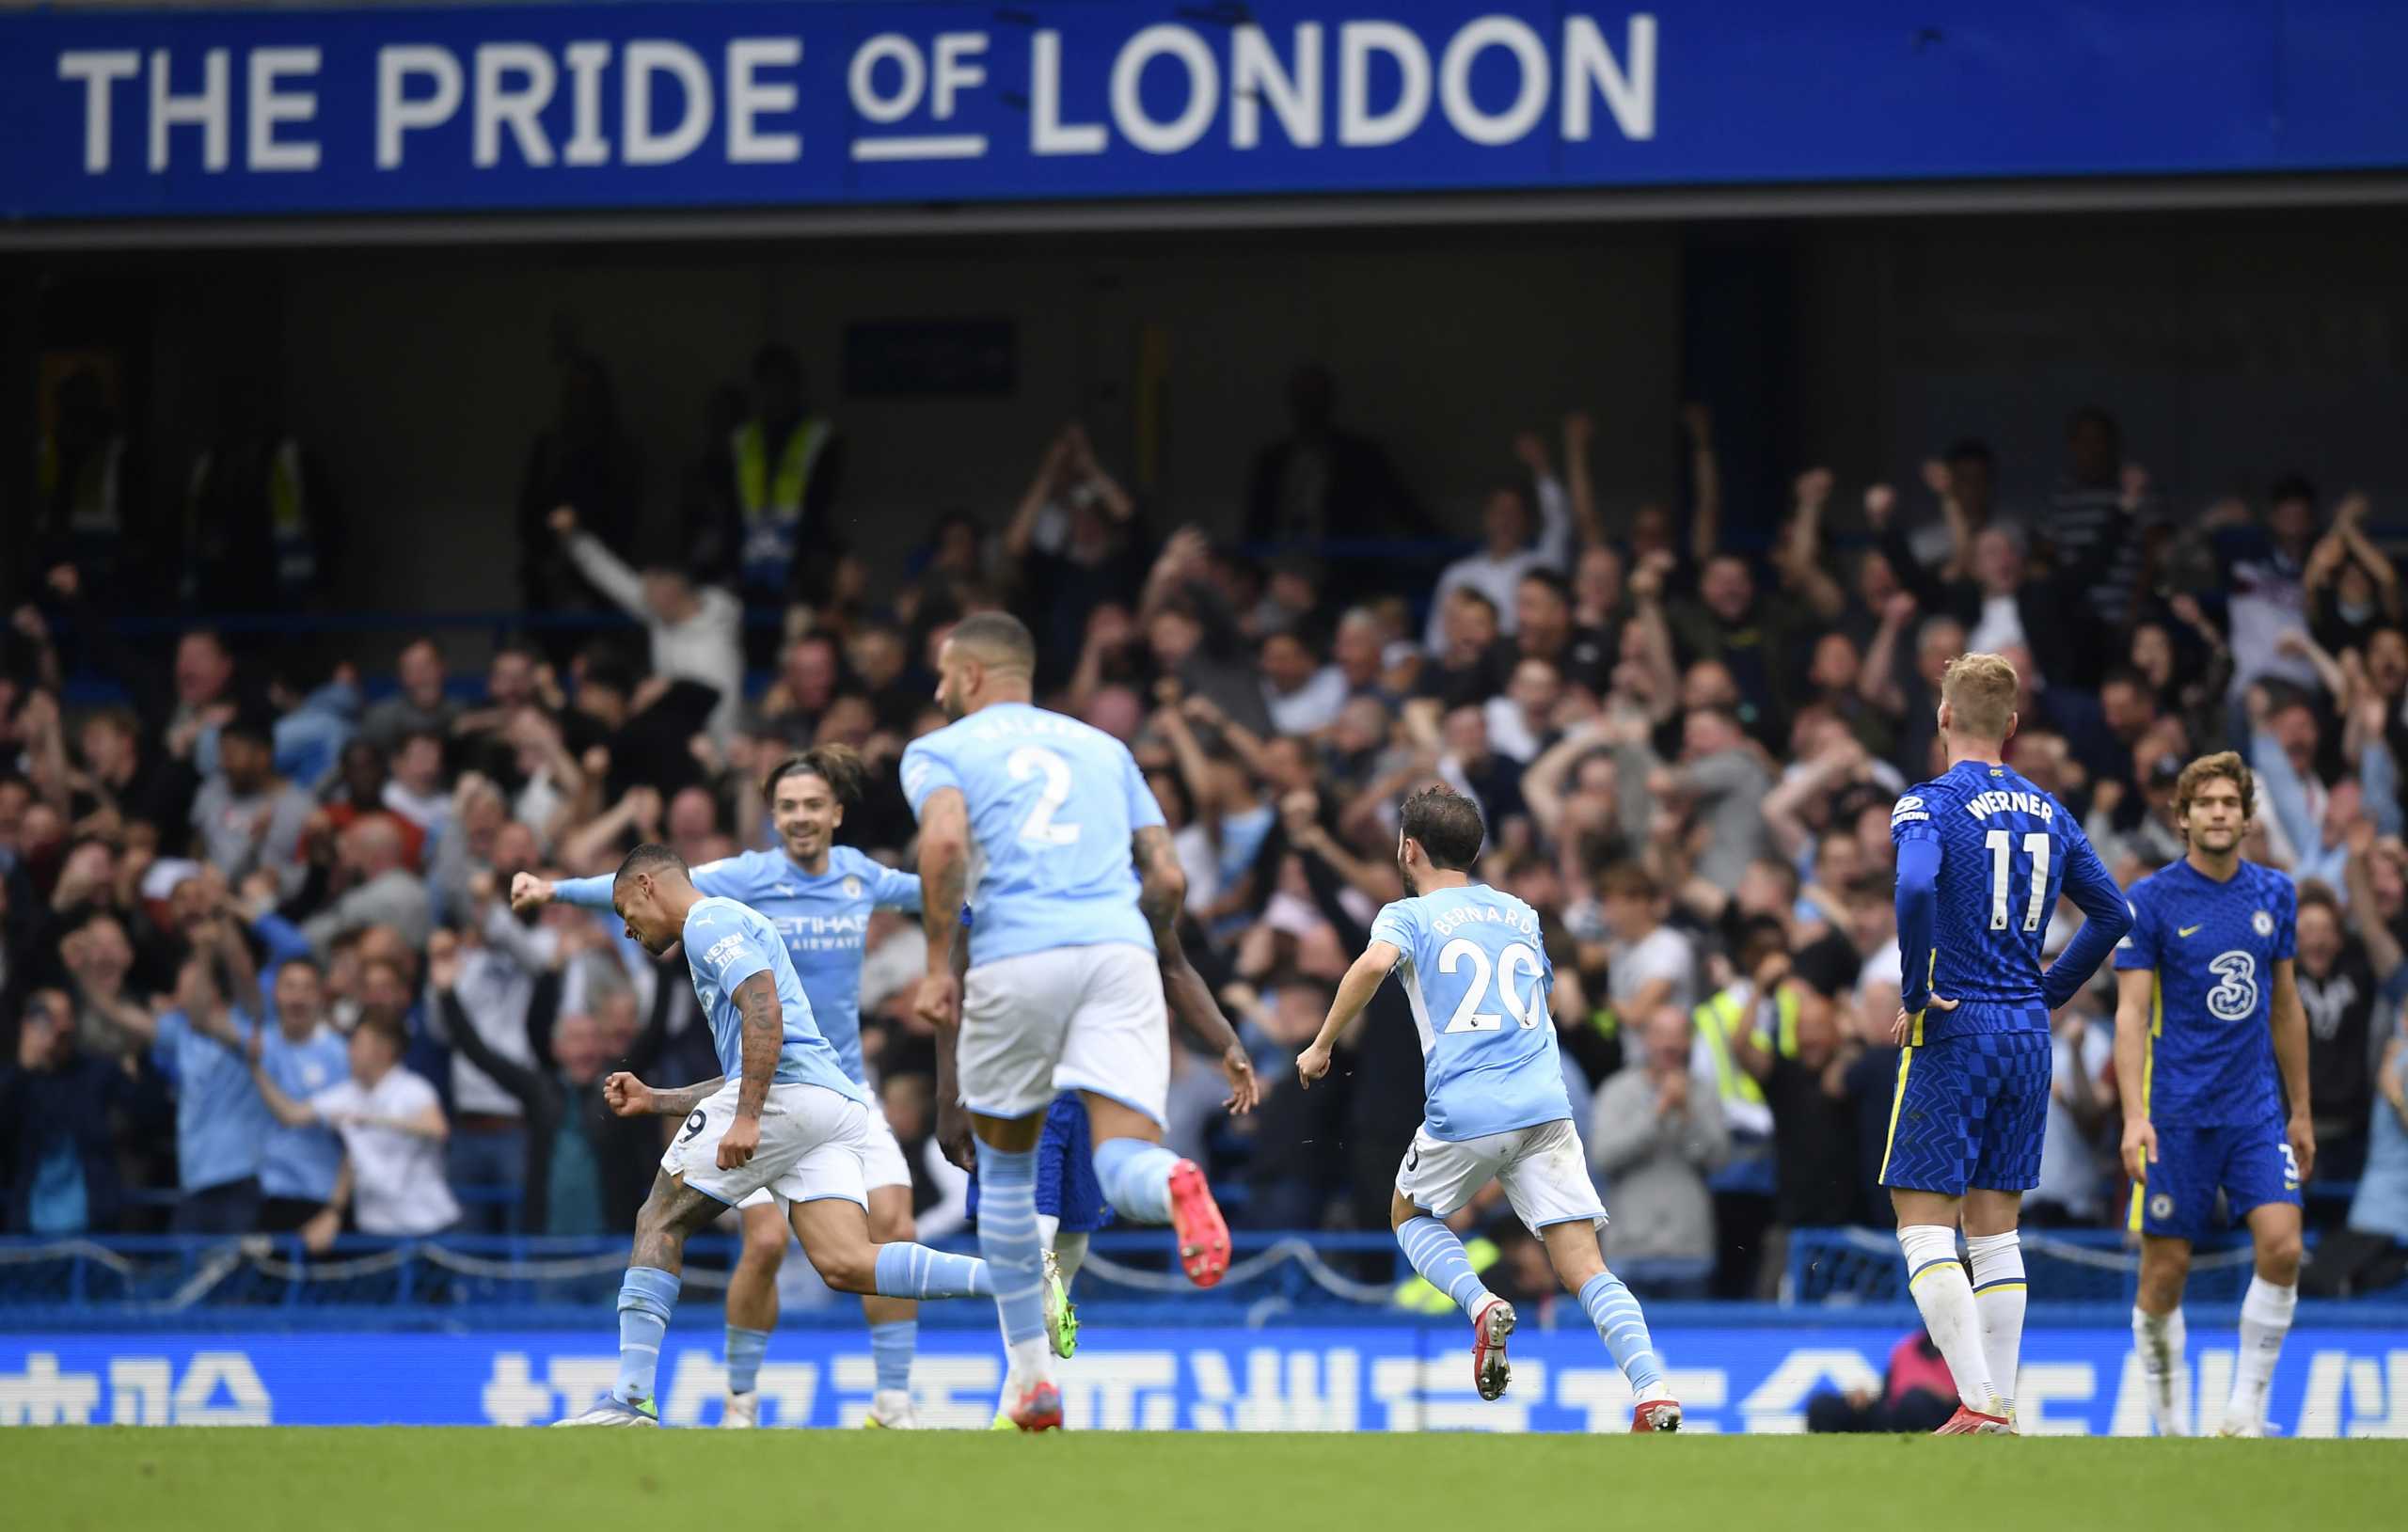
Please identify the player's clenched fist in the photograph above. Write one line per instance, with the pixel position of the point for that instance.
(1311, 1065)
(737, 1144)
(626, 1095)
(527, 892)
(939, 1001)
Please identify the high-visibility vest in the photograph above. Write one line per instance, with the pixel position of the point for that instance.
(771, 499)
(1717, 1021)
(92, 509)
(296, 557)
(1417, 1295)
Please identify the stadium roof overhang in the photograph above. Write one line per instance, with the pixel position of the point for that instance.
(1484, 209)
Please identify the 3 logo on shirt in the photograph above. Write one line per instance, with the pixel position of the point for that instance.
(2235, 998)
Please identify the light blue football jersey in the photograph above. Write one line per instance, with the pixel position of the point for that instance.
(1476, 972)
(726, 944)
(1052, 804)
(823, 921)
(302, 1161)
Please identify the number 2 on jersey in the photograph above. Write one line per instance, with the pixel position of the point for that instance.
(1039, 829)
(2036, 845)
(1468, 1016)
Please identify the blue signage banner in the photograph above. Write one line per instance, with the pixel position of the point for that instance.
(2350, 1382)
(733, 104)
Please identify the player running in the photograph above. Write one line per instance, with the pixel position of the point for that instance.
(784, 1119)
(1070, 1200)
(1982, 856)
(818, 894)
(1496, 1107)
(2206, 1011)
(1062, 991)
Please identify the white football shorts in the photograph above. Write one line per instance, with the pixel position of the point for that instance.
(812, 1146)
(1543, 1169)
(882, 1162)
(1083, 1018)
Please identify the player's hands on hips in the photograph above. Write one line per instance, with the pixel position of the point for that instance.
(1244, 1090)
(527, 892)
(939, 1001)
(626, 1095)
(1311, 1065)
(1904, 1027)
(737, 1144)
(2301, 1133)
(2140, 1148)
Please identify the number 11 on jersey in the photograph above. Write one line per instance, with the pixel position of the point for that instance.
(2000, 844)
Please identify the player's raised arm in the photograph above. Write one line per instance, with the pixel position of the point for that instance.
(1354, 991)
(2106, 918)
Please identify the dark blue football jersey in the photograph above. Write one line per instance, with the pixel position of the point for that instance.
(2006, 850)
(2213, 947)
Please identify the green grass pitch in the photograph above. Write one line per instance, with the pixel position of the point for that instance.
(427, 1480)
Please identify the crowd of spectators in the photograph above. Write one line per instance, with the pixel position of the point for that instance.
(260, 970)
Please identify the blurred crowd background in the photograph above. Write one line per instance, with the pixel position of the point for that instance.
(246, 866)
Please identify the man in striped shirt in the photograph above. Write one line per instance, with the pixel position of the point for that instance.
(2094, 518)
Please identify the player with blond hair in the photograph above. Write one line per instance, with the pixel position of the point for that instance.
(1982, 856)
(2207, 1013)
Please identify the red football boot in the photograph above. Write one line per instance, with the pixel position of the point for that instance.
(1203, 1235)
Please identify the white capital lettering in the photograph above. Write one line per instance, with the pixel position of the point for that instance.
(1454, 80)
(397, 112)
(639, 144)
(1357, 126)
(98, 69)
(1203, 88)
(748, 97)
(1047, 132)
(206, 111)
(586, 145)
(1256, 75)
(270, 107)
(954, 73)
(862, 79)
(1589, 65)
(499, 104)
